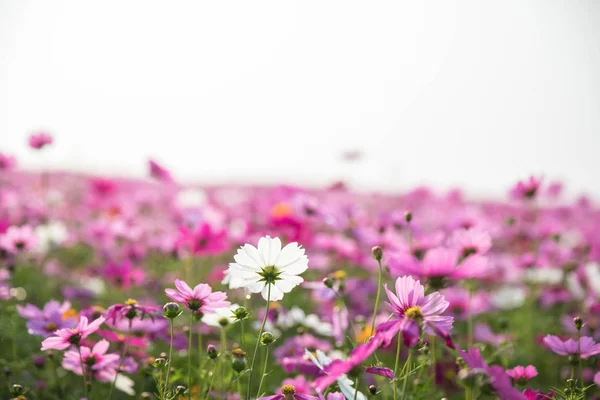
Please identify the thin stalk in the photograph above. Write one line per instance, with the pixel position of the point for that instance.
(262, 327)
(398, 348)
(264, 370)
(123, 352)
(212, 379)
(379, 283)
(405, 376)
(356, 388)
(170, 360)
(239, 386)
(85, 386)
(579, 354)
(190, 356)
(200, 359)
(469, 318)
(242, 342)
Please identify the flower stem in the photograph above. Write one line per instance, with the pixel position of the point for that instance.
(212, 379)
(262, 327)
(356, 388)
(398, 347)
(469, 318)
(239, 386)
(580, 361)
(200, 359)
(85, 385)
(379, 282)
(123, 352)
(169, 364)
(190, 356)
(264, 370)
(406, 375)
(242, 334)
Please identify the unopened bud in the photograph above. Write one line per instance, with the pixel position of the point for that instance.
(377, 253)
(17, 390)
(578, 322)
(212, 352)
(328, 282)
(373, 389)
(172, 310)
(180, 389)
(241, 313)
(267, 338)
(159, 362)
(408, 216)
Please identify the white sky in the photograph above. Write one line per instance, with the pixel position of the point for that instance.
(471, 93)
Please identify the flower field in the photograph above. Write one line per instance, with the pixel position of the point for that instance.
(120, 289)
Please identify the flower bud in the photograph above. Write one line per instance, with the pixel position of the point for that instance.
(159, 362)
(180, 389)
(172, 310)
(238, 364)
(578, 322)
(377, 253)
(267, 338)
(17, 390)
(328, 282)
(212, 352)
(373, 389)
(39, 361)
(241, 313)
(408, 216)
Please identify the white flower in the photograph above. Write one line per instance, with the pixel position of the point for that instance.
(270, 270)
(125, 384)
(297, 316)
(592, 273)
(547, 275)
(52, 234)
(509, 297)
(221, 317)
(345, 384)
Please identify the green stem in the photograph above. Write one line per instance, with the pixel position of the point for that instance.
(264, 370)
(579, 354)
(242, 336)
(262, 327)
(190, 356)
(406, 375)
(123, 352)
(356, 388)
(85, 386)
(469, 318)
(398, 347)
(169, 364)
(200, 359)
(239, 386)
(212, 379)
(379, 282)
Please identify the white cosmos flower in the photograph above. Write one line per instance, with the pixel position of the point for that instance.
(221, 317)
(268, 269)
(346, 385)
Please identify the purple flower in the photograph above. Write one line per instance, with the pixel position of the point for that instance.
(571, 347)
(52, 317)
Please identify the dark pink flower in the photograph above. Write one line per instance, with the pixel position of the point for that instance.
(381, 371)
(158, 172)
(572, 347)
(123, 274)
(39, 140)
(7, 162)
(203, 240)
(66, 337)
(200, 299)
(522, 374)
(526, 190)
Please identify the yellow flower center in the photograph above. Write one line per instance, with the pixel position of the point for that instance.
(414, 313)
(340, 275)
(288, 390)
(70, 313)
(131, 302)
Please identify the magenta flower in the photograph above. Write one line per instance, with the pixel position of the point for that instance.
(200, 299)
(204, 240)
(123, 274)
(17, 239)
(7, 162)
(381, 371)
(470, 241)
(158, 172)
(129, 311)
(288, 392)
(39, 140)
(96, 362)
(417, 310)
(66, 337)
(571, 347)
(439, 264)
(525, 190)
(522, 374)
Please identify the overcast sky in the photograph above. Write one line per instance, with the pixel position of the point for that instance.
(470, 93)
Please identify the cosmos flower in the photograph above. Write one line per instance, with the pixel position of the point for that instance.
(269, 269)
(522, 374)
(18, 239)
(7, 162)
(288, 392)
(526, 190)
(123, 274)
(64, 338)
(203, 240)
(129, 311)
(101, 365)
(414, 308)
(200, 299)
(571, 347)
(222, 317)
(345, 384)
(51, 317)
(158, 172)
(470, 241)
(39, 140)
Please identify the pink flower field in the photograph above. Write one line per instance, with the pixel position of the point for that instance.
(131, 289)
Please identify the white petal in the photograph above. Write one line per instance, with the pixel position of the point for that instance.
(269, 248)
(287, 283)
(276, 294)
(289, 254)
(254, 255)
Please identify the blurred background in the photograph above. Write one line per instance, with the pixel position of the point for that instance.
(385, 95)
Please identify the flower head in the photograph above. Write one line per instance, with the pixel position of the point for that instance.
(522, 374)
(571, 347)
(46, 321)
(201, 299)
(7, 162)
(18, 239)
(96, 361)
(269, 269)
(39, 140)
(64, 338)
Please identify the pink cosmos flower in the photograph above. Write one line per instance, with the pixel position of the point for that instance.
(158, 172)
(200, 299)
(571, 347)
(537, 395)
(123, 274)
(439, 264)
(7, 162)
(288, 392)
(204, 240)
(525, 190)
(39, 140)
(66, 337)
(96, 362)
(470, 241)
(17, 239)
(381, 371)
(522, 374)
(52, 317)
(412, 306)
